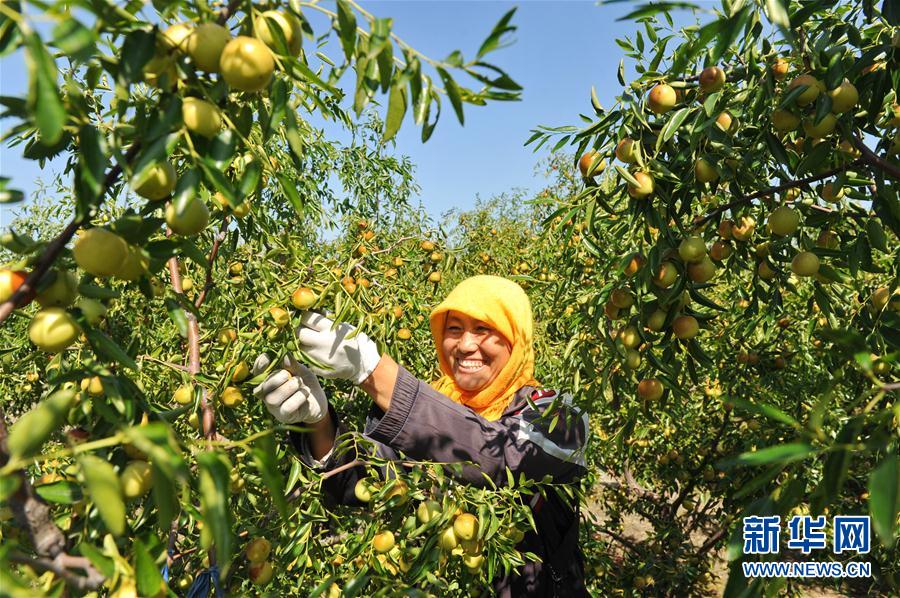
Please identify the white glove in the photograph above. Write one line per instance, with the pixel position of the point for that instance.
(292, 394)
(344, 352)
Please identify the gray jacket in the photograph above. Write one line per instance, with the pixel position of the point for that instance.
(424, 424)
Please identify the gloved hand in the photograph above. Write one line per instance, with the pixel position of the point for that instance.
(291, 394)
(343, 351)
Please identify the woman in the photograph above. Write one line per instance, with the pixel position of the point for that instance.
(485, 411)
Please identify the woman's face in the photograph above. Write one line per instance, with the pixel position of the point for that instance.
(475, 351)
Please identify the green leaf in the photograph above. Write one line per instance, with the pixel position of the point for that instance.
(452, 90)
(92, 159)
(766, 410)
(165, 493)
(75, 40)
(43, 96)
(884, 499)
(32, 430)
(216, 179)
(672, 126)
(396, 111)
(877, 238)
(61, 492)
(150, 156)
(835, 470)
(137, 50)
(186, 189)
(777, 149)
(105, 491)
(108, 349)
(494, 39)
(379, 37)
(289, 188)
(149, 580)
(346, 27)
(215, 488)
(627, 176)
(266, 459)
(782, 453)
(777, 11)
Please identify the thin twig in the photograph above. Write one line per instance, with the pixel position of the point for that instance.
(25, 292)
(174, 366)
(743, 199)
(60, 567)
(873, 159)
(213, 254)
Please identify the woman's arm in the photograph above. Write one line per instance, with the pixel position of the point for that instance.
(424, 424)
(380, 383)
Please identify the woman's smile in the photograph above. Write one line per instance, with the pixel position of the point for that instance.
(475, 351)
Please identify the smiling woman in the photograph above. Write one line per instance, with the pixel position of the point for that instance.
(486, 412)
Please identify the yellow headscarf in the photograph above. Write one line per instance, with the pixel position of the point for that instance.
(503, 305)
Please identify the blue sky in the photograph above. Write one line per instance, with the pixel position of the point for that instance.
(561, 49)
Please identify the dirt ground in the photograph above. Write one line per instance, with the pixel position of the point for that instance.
(637, 529)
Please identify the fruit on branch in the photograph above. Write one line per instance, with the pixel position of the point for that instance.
(765, 271)
(844, 97)
(813, 88)
(702, 271)
(100, 252)
(448, 540)
(404, 334)
(201, 117)
(823, 128)
(175, 37)
(685, 327)
(635, 262)
(692, 249)
(261, 573)
(135, 265)
(591, 164)
(657, 320)
(241, 372)
(465, 526)
(831, 193)
(785, 120)
(159, 182)
(399, 491)
(10, 281)
(626, 150)
(206, 45)
(434, 277)
(662, 98)
(258, 550)
(780, 69)
(724, 229)
(473, 562)
(161, 72)
(630, 337)
(712, 79)
(650, 389)
(247, 64)
(52, 329)
(59, 293)
(720, 250)
(622, 298)
(644, 187)
(666, 275)
(280, 316)
(289, 26)
(93, 310)
(705, 172)
(383, 541)
(805, 263)
(303, 298)
(136, 479)
(725, 122)
(436, 256)
(193, 218)
(783, 221)
(363, 490)
(184, 394)
(187, 284)
(428, 510)
(743, 229)
(632, 359)
(93, 386)
(231, 396)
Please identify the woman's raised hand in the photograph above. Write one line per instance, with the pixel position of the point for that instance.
(339, 351)
(292, 394)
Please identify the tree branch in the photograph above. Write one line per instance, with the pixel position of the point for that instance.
(26, 292)
(61, 565)
(213, 254)
(871, 158)
(743, 199)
